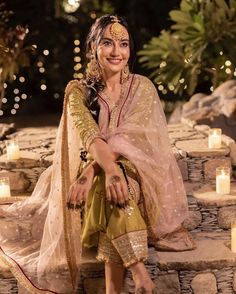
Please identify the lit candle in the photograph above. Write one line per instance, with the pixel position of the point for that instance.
(233, 235)
(223, 180)
(13, 151)
(214, 139)
(4, 187)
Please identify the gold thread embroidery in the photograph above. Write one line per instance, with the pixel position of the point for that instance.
(106, 251)
(19, 275)
(82, 118)
(132, 247)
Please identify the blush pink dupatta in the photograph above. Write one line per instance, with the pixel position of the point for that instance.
(139, 133)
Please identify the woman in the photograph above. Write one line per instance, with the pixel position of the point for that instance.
(124, 181)
(138, 185)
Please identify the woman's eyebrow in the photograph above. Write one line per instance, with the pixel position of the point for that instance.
(109, 39)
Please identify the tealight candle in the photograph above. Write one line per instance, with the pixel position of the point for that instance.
(13, 150)
(214, 139)
(233, 235)
(5, 187)
(223, 180)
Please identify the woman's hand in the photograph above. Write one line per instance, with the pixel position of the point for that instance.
(117, 188)
(79, 190)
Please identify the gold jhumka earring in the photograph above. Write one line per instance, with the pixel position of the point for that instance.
(93, 72)
(124, 74)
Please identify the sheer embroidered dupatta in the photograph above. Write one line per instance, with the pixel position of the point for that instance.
(41, 244)
(140, 134)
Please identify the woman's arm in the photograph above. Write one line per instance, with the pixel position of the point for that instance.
(116, 186)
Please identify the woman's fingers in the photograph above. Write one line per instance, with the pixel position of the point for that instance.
(120, 195)
(76, 194)
(113, 194)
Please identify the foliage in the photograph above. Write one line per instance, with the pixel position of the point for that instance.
(200, 46)
(13, 52)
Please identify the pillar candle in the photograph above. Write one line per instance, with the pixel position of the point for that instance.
(223, 180)
(233, 235)
(13, 151)
(214, 139)
(4, 187)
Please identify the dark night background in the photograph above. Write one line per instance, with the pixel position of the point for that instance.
(52, 29)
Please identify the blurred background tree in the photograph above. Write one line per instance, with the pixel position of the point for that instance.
(198, 52)
(14, 53)
(57, 30)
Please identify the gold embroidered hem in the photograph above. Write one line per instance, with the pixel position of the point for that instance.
(132, 247)
(19, 275)
(106, 250)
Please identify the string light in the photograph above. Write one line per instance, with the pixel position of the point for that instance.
(71, 6)
(17, 99)
(76, 42)
(77, 50)
(160, 87)
(228, 63)
(211, 88)
(77, 60)
(163, 64)
(1, 112)
(45, 52)
(42, 69)
(4, 100)
(24, 96)
(16, 106)
(16, 91)
(22, 79)
(228, 71)
(56, 95)
(181, 81)
(93, 15)
(5, 85)
(13, 111)
(43, 87)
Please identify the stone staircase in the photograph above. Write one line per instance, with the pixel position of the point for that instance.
(209, 269)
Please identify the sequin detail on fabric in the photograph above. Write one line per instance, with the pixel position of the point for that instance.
(132, 247)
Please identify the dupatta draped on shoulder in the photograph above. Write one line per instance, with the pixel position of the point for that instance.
(139, 133)
(41, 245)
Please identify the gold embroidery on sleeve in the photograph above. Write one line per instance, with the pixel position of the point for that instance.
(83, 120)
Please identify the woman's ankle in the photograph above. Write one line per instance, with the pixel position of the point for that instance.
(142, 280)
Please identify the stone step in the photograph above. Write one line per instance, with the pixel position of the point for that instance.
(210, 211)
(209, 269)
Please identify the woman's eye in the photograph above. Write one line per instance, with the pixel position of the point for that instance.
(107, 43)
(124, 44)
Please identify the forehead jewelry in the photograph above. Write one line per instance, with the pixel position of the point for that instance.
(117, 31)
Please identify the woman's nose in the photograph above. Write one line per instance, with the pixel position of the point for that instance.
(115, 50)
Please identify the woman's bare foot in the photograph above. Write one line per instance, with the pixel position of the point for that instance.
(143, 283)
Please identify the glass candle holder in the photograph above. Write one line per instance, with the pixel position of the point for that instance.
(214, 138)
(233, 235)
(223, 180)
(13, 150)
(5, 187)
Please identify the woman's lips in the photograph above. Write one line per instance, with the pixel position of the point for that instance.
(114, 61)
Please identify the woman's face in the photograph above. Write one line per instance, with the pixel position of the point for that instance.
(113, 53)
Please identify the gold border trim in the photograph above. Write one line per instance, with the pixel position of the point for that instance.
(20, 276)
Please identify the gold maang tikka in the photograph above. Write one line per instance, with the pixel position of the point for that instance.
(117, 31)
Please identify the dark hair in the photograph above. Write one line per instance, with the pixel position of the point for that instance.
(93, 38)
